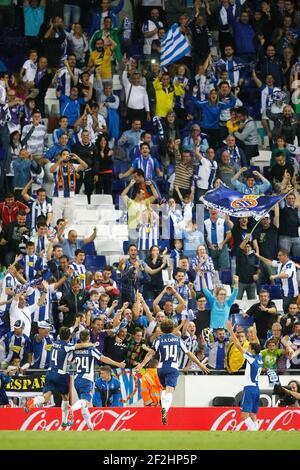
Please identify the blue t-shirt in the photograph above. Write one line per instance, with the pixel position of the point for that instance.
(34, 18)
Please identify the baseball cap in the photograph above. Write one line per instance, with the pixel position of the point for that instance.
(267, 216)
(44, 324)
(19, 324)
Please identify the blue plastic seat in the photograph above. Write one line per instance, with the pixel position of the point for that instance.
(89, 249)
(274, 290)
(226, 277)
(95, 262)
(238, 319)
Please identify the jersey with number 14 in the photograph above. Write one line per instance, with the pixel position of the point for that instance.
(60, 354)
(169, 347)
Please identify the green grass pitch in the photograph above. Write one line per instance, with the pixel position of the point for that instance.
(161, 440)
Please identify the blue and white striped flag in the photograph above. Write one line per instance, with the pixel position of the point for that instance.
(174, 46)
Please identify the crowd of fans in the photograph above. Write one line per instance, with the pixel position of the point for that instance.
(157, 139)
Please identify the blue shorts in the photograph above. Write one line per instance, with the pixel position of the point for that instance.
(250, 400)
(84, 388)
(168, 377)
(56, 383)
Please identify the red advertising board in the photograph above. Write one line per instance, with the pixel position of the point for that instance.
(148, 419)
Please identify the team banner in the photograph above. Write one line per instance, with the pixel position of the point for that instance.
(237, 204)
(31, 385)
(149, 419)
(26, 384)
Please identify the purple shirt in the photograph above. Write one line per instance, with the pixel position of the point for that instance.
(98, 340)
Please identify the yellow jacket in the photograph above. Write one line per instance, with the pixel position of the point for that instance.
(234, 358)
(164, 100)
(151, 387)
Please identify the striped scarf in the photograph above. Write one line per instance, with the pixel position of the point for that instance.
(71, 179)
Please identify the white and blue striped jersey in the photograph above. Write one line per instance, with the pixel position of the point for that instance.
(42, 352)
(205, 173)
(60, 354)
(253, 369)
(9, 282)
(169, 347)
(208, 268)
(191, 345)
(215, 232)
(65, 80)
(41, 313)
(31, 264)
(148, 236)
(175, 257)
(85, 360)
(290, 285)
(79, 272)
(16, 346)
(38, 208)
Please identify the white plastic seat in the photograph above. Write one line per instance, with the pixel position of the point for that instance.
(119, 232)
(245, 304)
(110, 247)
(55, 108)
(85, 216)
(100, 199)
(80, 200)
(103, 231)
(82, 230)
(51, 93)
(165, 276)
(279, 306)
(107, 215)
(264, 155)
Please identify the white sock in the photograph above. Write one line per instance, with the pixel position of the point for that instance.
(78, 404)
(163, 399)
(256, 426)
(39, 400)
(168, 401)
(64, 410)
(250, 424)
(87, 417)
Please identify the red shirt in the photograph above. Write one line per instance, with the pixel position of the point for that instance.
(9, 214)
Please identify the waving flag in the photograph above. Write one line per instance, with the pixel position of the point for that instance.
(24, 287)
(237, 204)
(174, 46)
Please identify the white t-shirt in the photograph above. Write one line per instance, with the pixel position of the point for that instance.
(149, 26)
(30, 70)
(24, 314)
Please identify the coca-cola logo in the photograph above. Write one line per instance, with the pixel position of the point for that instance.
(103, 420)
(230, 421)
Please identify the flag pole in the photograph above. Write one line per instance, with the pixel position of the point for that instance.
(257, 223)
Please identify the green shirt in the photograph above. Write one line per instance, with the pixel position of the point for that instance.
(115, 35)
(270, 358)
